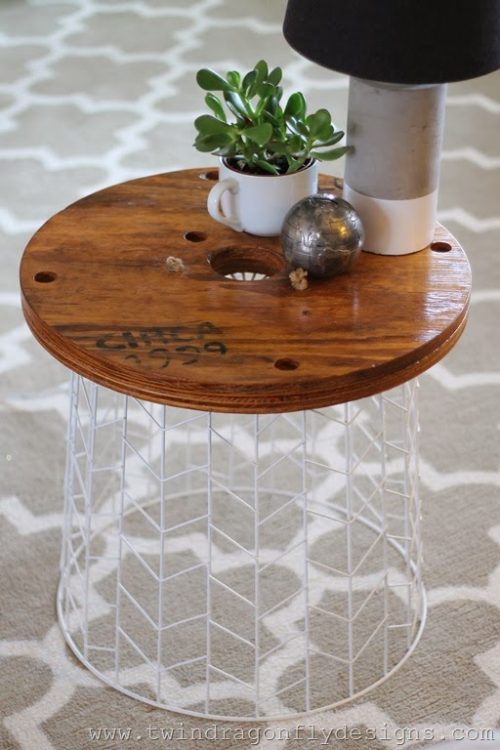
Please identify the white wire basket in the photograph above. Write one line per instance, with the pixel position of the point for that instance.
(241, 566)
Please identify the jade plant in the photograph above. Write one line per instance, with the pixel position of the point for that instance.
(262, 136)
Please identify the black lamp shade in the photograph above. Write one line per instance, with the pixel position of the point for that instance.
(398, 41)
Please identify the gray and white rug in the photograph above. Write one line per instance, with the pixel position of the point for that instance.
(93, 92)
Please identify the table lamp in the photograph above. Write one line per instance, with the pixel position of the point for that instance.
(399, 55)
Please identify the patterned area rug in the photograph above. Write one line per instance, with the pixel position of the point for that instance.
(93, 92)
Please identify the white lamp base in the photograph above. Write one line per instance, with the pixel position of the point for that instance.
(395, 227)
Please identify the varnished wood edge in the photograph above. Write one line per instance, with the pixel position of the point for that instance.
(211, 396)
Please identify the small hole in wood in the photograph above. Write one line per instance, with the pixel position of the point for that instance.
(440, 247)
(212, 174)
(45, 277)
(195, 236)
(286, 364)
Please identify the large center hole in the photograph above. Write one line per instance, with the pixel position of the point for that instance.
(246, 263)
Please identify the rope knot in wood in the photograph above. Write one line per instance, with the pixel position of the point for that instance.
(174, 265)
(298, 279)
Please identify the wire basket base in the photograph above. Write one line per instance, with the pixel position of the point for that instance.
(242, 567)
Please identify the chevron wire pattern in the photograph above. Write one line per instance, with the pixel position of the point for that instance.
(259, 637)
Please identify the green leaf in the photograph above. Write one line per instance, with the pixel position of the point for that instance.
(227, 150)
(249, 82)
(318, 122)
(275, 76)
(241, 118)
(266, 166)
(240, 104)
(298, 127)
(276, 147)
(260, 134)
(207, 143)
(295, 144)
(296, 106)
(294, 165)
(274, 121)
(215, 104)
(273, 110)
(335, 153)
(209, 80)
(292, 146)
(207, 125)
(335, 138)
(261, 70)
(265, 90)
(234, 78)
(278, 93)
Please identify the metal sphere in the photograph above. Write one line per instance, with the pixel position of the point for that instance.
(322, 234)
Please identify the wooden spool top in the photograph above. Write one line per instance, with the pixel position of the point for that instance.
(98, 296)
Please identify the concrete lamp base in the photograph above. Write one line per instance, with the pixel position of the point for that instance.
(392, 170)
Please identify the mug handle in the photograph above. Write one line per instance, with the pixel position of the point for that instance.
(214, 207)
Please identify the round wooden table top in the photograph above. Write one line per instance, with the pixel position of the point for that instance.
(99, 296)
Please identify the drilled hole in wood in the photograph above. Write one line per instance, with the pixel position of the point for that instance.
(212, 174)
(195, 236)
(45, 277)
(440, 247)
(286, 364)
(246, 263)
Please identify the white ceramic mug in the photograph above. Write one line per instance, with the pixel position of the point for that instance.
(258, 204)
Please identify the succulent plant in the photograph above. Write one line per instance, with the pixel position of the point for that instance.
(264, 137)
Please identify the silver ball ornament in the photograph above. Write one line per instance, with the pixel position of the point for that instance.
(323, 235)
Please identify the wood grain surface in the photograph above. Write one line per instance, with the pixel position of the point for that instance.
(98, 295)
